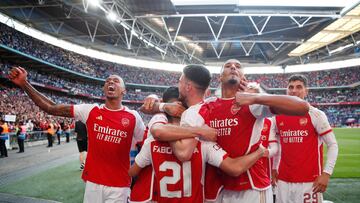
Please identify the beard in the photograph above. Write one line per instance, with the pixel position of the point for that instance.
(233, 81)
(182, 99)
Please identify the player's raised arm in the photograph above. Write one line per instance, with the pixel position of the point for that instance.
(18, 75)
(279, 104)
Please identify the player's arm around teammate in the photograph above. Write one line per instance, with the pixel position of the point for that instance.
(231, 166)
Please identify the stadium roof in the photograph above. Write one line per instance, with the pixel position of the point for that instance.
(196, 31)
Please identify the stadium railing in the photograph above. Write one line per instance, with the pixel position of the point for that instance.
(34, 136)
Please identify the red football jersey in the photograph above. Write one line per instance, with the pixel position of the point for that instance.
(178, 181)
(238, 134)
(266, 139)
(144, 189)
(301, 146)
(111, 135)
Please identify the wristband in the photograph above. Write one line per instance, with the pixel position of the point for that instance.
(161, 107)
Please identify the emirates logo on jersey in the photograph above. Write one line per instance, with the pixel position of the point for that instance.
(125, 122)
(303, 121)
(235, 108)
(265, 128)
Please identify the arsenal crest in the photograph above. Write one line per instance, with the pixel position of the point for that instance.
(235, 108)
(303, 121)
(125, 122)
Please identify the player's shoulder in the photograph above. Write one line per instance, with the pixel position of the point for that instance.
(194, 109)
(210, 100)
(148, 140)
(159, 116)
(84, 109)
(88, 106)
(316, 113)
(131, 111)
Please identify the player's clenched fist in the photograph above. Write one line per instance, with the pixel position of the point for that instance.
(18, 75)
(246, 98)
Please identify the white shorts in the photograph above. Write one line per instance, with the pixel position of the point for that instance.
(253, 196)
(95, 193)
(296, 192)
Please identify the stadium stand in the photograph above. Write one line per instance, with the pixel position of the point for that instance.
(101, 69)
(331, 90)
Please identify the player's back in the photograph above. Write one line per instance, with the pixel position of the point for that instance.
(177, 181)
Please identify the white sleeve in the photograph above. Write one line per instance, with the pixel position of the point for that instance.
(273, 142)
(143, 158)
(82, 111)
(139, 128)
(260, 111)
(191, 117)
(277, 156)
(158, 118)
(319, 121)
(332, 151)
(212, 153)
(273, 130)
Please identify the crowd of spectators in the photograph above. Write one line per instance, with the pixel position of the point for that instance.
(13, 101)
(342, 115)
(329, 95)
(324, 78)
(334, 95)
(75, 87)
(101, 69)
(95, 90)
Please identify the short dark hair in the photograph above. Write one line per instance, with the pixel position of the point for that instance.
(170, 93)
(299, 77)
(199, 75)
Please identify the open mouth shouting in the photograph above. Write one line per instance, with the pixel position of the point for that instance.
(111, 89)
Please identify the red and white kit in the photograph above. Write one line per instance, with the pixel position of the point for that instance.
(268, 138)
(111, 135)
(239, 130)
(301, 153)
(179, 181)
(144, 189)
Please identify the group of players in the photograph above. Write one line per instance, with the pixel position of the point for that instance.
(217, 150)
